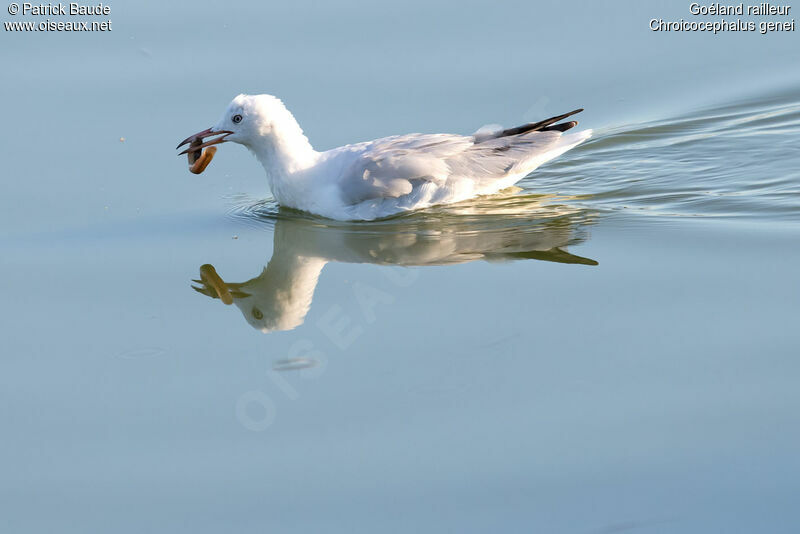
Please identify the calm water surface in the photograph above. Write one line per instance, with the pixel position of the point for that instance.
(612, 346)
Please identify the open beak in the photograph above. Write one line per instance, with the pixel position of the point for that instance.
(197, 144)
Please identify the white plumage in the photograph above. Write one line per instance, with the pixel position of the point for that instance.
(380, 178)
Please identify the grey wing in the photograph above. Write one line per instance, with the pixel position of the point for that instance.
(393, 166)
(494, 159)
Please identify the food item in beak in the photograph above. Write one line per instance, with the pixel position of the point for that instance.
(197, 161)
(199, 158)
(194, 155)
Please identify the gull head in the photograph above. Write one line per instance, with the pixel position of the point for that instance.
(246, 120)
(255, 121)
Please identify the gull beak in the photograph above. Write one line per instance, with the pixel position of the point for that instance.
(196, 143)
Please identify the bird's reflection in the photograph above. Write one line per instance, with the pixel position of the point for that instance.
(281, 295)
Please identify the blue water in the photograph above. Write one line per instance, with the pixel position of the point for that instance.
(609, 347)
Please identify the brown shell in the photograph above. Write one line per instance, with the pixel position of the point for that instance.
(199, 164)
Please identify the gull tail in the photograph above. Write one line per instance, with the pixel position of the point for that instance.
(565, 142)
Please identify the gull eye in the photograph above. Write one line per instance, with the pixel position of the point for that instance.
(257, 314)
(236, 119)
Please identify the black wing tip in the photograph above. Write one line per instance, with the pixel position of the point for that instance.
(546, 125)
(563, 127)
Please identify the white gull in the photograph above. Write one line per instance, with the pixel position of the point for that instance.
(384, 177)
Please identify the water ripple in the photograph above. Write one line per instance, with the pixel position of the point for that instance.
(738, 160)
